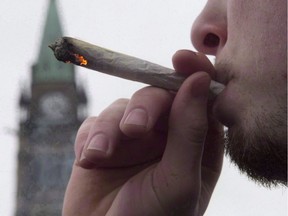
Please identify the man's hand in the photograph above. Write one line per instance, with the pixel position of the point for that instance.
(156, 154)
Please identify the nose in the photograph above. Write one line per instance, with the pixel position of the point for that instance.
(209, 31)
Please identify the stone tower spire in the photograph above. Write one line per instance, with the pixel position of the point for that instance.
(50, 117)
(46, 68)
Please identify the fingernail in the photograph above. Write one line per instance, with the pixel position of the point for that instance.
(137, 117)
(82, 157)
(99, 143)
(79, 152)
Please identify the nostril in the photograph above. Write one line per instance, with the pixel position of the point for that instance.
(211, 40)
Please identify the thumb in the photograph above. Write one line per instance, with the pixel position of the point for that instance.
(188, 124)
(180, 166)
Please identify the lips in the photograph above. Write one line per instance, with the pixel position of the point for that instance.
(223, 71)
(225, 104)
(221, 78)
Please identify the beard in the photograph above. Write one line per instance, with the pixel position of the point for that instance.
(261, 151)
(258, 145)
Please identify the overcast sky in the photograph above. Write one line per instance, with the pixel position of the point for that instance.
(149, 29)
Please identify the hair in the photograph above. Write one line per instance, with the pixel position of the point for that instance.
(261, 151)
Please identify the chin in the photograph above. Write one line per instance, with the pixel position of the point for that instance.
(260, 154)
(257, 132)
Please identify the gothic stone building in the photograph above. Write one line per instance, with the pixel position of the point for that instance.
(52, 109)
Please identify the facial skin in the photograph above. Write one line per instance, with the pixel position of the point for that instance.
(249, 40)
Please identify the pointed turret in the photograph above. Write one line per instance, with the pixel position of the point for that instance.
(47, 69)
(51, 111)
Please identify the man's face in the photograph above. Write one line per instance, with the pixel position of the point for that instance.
(249, 40)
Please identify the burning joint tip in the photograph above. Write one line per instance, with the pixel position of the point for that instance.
(77, 59)
(68, 56)
(80, 59)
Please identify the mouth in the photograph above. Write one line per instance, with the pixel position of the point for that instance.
(225, 105)
(222, 78)
(223, 73)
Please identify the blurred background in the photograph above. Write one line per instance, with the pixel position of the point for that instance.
(152, 30)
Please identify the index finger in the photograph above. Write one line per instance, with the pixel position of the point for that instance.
(144, 109)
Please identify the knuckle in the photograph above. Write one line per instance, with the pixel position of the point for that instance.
(144, 91)
(151, 92)
(197, 131)
(121, 101)
(88, 121)
(86, 126)
(196, 134)
(114, 112)
(106, 123)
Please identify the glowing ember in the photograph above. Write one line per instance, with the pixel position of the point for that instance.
(80, 59)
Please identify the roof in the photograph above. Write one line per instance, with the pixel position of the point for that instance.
(47, 68)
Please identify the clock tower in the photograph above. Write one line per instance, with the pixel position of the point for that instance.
(51, 110)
